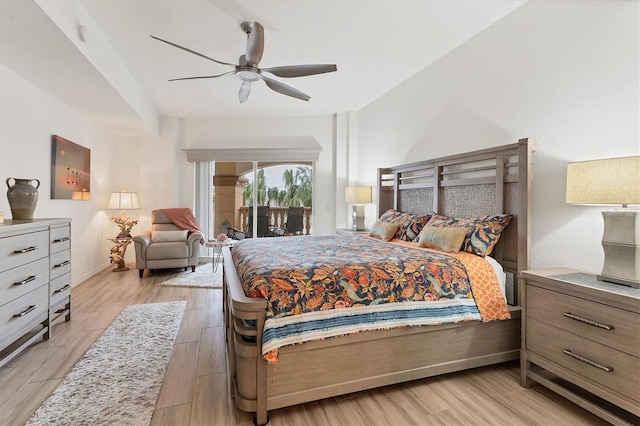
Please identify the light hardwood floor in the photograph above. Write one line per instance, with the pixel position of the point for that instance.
(194, 391)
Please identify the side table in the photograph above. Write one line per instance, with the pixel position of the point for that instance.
(118, 251)
(345, 231)
(217, 245)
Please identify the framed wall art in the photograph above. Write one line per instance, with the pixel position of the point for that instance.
(70, 170)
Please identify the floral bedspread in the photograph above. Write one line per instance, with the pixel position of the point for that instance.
(309, 280)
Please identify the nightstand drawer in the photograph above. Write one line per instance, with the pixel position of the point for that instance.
(604, 324)
(586, 358)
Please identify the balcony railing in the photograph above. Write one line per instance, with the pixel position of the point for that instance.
(277, 217)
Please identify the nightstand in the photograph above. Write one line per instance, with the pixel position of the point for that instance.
(345, 231)
(581, 339)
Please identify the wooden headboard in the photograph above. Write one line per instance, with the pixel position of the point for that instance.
(489, 181)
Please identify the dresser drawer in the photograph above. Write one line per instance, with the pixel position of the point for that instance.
(23, 279)
(60, 239)
(604, 324)
(60, 289)
(551, 342)
(20, 315)
(60, 263)
(20, 249)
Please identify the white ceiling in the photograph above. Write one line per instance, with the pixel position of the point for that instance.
(375, 44)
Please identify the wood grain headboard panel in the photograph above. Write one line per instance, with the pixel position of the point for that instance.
(490, 181)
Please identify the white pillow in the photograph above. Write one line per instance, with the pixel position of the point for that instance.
(168, 236)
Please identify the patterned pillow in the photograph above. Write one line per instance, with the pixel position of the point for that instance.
(444, 239)
(483, 232)
(410, 224)
(168, 236)
(383, 230)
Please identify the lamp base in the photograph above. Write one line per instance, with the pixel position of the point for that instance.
(621, 245)
(358, 218)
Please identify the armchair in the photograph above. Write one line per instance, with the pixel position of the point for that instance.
(295, 221)
(263, 222)
(166, 245)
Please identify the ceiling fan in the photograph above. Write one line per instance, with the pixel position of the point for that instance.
(247, 69)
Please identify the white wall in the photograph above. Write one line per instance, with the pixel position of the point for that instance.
(165, 178)
(29, 118)
(562, 72)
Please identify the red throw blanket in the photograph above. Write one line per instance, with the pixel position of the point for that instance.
(184, 219)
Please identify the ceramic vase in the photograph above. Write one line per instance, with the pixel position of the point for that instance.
(22, 196)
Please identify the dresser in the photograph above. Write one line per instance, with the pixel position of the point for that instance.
(35, 281)
(581, 339)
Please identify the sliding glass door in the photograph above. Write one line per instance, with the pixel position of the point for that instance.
(280, 191)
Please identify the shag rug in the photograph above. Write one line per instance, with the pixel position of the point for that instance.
(118, 380)
(203, 277)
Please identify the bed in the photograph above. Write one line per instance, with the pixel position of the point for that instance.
(486, 182)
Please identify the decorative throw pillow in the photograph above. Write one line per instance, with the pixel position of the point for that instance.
(390, 215)
(168, 236)
(409, 225)
(483, 232)
(383, 230)
(444, 239)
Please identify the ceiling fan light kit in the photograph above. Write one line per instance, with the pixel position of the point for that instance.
(247, 69)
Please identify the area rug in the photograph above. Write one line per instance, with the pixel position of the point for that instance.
(118, 380)
(202, 277)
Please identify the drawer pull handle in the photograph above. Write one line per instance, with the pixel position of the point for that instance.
(60, 290)
(26, 311)
(587, 361)
(59, 265)
(26, 280)
(587, 321)
(26, 250)
(61, 240)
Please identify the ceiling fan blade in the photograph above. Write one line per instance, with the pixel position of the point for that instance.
(204, 76)
(255, 44)
(284, 89)
(192, 51)
(300, 70)
(245, 89)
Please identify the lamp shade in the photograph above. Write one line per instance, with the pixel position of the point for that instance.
(612, 181)
(81, 195)
(357, 194)
(123, 201)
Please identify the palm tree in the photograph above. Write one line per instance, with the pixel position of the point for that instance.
(305, 182)
(290, 188)
(298, 189)
(273, 195)
(298, 186)
(247, 192)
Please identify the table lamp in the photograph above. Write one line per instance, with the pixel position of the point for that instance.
(83, 195)
(123, 201)
(357, 195)
(612, 182)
